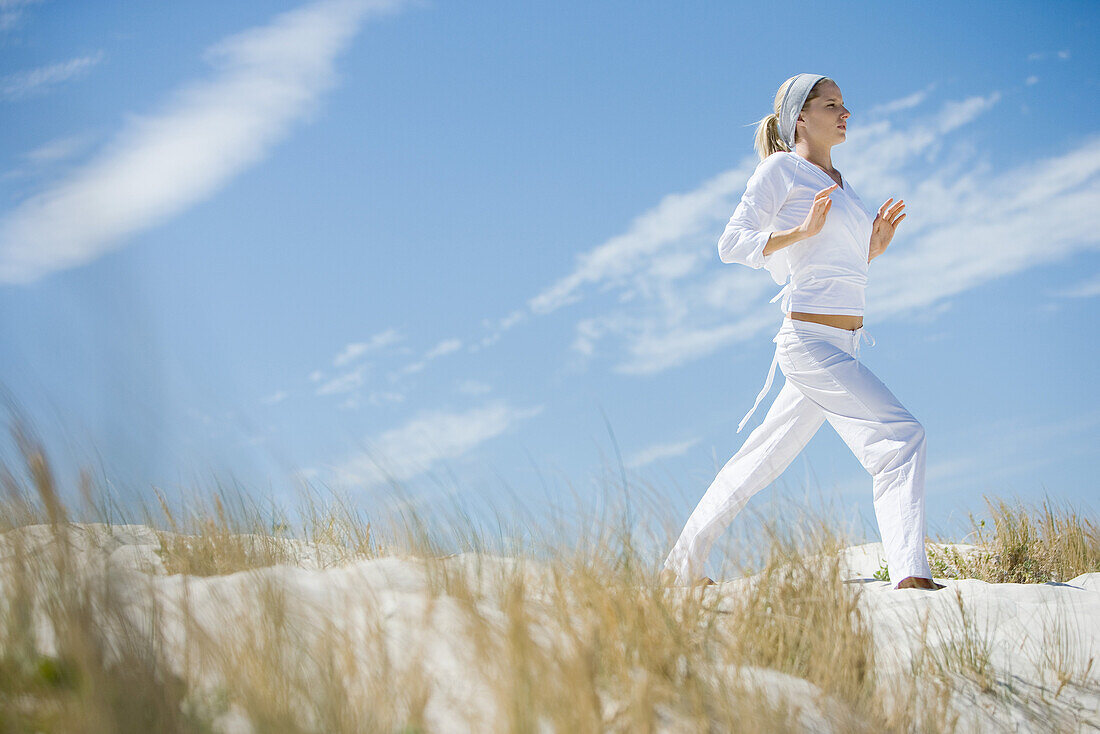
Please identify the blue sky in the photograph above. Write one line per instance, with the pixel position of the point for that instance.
(472, 246)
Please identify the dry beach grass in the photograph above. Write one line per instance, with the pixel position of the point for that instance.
(220, 616)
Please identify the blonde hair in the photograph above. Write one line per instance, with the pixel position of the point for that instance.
(768, 139)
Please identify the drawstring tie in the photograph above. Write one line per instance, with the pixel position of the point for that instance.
(785, 294)
(858, 336)
(767, 385)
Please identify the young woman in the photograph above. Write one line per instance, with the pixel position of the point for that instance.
(787, 222)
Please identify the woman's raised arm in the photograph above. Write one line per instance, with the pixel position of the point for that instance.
(746, 239)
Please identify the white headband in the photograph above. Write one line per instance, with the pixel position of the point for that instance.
(793, 99)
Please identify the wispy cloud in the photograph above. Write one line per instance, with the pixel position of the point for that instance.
(354, 350)
(274, 398)
(1002, 450)
(473, 387)
(904, 103)
(375, 398)
(36, 81)
(427, 440)
(56, 150)
(44, 159)
(11, 11)
(999, 215)
(659, 451)
(676, 217)
(1088, 288)
(655, 296)
(498, 327)
(266, 79)
(349, 353)
(380, 397)
(349, 381)
(444, 347)
(343, 383)
(1062, 55)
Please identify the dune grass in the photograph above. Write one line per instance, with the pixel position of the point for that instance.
(1023, 544)
(553, 636)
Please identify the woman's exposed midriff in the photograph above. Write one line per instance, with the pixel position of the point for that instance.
(840, 321)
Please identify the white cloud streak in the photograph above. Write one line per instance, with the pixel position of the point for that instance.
(48, 156)
(34, 81)
(275, 398)
(56, 150)
(675, 217)
(380, 397)
(1088, 288)
(1062, 55)
(11, 11)
(354, 350)
(427, 440)
(266, 79)
(985, 225)
(343, 383)
(903, 103)
(444, 347)
(659, 451)
(473, 387)
(1004, 450)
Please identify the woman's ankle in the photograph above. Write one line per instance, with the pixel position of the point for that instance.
(918, 582)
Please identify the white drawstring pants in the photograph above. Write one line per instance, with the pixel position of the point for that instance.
(824, 381)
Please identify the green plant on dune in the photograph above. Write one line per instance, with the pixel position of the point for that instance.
(1023, 544)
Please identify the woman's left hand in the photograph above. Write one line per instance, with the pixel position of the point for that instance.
(886, 223)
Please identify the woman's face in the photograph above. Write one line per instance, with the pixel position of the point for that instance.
(825, 116)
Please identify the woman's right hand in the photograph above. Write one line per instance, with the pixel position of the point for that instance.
(815, 220)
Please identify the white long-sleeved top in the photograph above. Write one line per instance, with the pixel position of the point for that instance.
(828, 271)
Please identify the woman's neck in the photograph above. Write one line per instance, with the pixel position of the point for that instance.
(821, 156)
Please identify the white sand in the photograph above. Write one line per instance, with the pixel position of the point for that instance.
(387, 596)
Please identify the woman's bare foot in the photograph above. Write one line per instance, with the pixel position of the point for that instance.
(668, 578)
(916, 582)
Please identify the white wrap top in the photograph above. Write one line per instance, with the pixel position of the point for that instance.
(828, 271)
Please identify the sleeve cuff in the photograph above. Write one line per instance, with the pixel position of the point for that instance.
(756, 258)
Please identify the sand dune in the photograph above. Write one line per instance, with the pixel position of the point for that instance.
(390, 626)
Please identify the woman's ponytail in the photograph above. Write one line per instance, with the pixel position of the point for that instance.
(768, 139)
